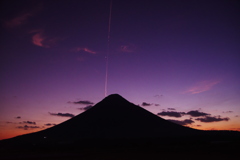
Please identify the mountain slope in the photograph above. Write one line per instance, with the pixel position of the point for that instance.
(115, 117)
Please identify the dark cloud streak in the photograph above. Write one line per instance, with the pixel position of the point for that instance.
(146, 104)
(50, 124)
(171, 114)
(29, 122)
(184, 122)
(197, 113)
(62, 114)
(84, 102)
(26, 127)
(86, 108)
(209, 119)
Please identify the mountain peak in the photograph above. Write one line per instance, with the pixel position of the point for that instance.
(113, 102)
(114, 97)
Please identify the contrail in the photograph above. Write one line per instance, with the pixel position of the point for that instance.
(108, 44)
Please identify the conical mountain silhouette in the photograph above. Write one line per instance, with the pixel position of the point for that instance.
(112, 119)
(115, 117)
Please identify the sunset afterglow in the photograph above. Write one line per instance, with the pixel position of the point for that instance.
(177, 59)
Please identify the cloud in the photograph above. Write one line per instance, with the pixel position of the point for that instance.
(85, 49)
(18, 117)
(208, 119)
(146, 104)
(86, 108)
(158, 96)
(23, 17)
(9, 122)
(201, 87)
(18, 20)
(38, 39)
(84, 102)
(228, 112)
(29, 122)
(26, 127)
(62, 114)
(41, 40)
(184, 122)
(50, 124)
(171, 109)
(196, 113)
(171, 114)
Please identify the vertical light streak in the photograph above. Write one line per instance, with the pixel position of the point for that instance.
(108, 45)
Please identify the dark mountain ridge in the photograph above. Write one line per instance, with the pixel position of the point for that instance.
(115, 120)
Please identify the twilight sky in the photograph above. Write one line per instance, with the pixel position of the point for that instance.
(177, 59)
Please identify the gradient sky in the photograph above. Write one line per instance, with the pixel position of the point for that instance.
(177, 59)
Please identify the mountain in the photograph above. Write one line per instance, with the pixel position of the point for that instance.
(112, 120)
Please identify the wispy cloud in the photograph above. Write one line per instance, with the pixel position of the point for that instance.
(26, 127)
(85, 49)
(9, 122)
(23, 16)
(18, 20)
(158, 96)
(201, 87)
(62, 114)
(18, 117)
(228, 112)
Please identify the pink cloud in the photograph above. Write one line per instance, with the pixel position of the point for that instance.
(201, 87)
(39, 39)
(78, 49)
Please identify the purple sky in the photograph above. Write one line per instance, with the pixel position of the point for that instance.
(176, 56)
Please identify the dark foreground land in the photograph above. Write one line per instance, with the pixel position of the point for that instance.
(123, 154)
(215, 150)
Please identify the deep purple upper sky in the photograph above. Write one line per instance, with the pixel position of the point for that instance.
(176, 56)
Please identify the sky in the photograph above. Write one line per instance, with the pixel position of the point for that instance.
(177, 59)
